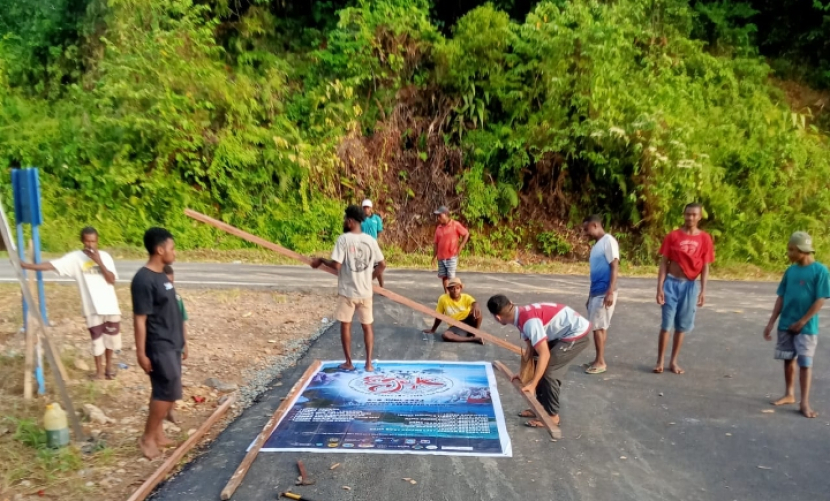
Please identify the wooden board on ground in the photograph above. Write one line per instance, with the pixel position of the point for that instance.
(52, 355)
(379, 290)
(266, 432)
(555, 431)
(162, 471)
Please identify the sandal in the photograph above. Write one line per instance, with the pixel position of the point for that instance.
(535, 424)
(527, 414)
(595, 370)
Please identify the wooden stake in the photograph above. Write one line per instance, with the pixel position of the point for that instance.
(266, 432)
(541, 413)
(153, 480)
(51, 354)
(379, 290)
(29, 363)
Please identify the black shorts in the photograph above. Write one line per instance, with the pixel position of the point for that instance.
(461, 332)
(166, 376)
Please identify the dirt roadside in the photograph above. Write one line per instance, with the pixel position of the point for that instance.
(241, 338)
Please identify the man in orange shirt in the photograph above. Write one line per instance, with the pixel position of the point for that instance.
(450, 238)
(686, 255)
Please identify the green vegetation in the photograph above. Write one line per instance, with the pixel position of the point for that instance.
(525, 116)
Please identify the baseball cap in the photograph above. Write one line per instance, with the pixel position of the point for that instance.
(455, 281)
(442, 210)
(367, 203)
(803, 241)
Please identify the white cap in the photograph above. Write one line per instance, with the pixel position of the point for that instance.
(367, 203)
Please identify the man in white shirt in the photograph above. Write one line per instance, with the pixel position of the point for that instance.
(358, 260)
(94, 272)
(602, 297)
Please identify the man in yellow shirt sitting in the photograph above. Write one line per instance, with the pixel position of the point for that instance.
(462, 307)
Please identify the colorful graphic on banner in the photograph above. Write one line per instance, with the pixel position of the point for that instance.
(446, 408)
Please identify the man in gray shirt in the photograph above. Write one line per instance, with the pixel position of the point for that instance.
(354, 258)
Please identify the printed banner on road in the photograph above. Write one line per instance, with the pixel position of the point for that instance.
(438, 408)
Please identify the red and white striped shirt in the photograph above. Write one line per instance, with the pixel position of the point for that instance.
(550, 321)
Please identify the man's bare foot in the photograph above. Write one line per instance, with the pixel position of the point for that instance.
(527, 413)
(808, 412)
(346, 367)
(556, 420)
(171, 416)
(97, 376)
(110, 376)
(676, 369)
(785, 400)
(163, 441)
(148, 448)
(658, 369)
(369, 368)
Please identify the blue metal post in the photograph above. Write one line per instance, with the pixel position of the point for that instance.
(41, 290)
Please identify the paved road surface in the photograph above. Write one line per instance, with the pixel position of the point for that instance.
(699, 436)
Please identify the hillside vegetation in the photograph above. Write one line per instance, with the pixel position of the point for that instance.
(524, 116)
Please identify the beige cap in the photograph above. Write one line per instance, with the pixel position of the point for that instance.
(455, 281)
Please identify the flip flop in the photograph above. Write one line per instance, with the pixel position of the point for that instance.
(531, 424)
(527, 414)
(595, 370)
(587, 365)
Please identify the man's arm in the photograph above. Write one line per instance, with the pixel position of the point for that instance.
(435, 252)
(378, 272)
(465, 236)
(612, 285)
(319, 261)
(776, 311)
(140, 327)
(47, 266)
(543, 352)
(661, 279)
(813, 311)
(704, 277)
(184, 336)
(434, 326)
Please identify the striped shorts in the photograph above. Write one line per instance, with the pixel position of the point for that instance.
(447, 267)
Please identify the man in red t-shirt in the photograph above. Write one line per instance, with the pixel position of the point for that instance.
(686, 254)
(450, 237)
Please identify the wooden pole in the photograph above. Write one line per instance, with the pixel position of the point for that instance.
(266, 432)
(51, 354)
(29, 363)
(153, 480)
(555, 431)
(379, 290)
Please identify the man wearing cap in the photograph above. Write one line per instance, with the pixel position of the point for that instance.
(372, 225)
(450, 238)
(462, 307)
(686, 255)
(801, 294)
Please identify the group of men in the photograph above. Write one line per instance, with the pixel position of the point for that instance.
(553, 332)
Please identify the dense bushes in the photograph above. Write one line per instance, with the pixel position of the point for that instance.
(273, 115)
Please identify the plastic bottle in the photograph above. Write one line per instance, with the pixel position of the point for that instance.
(57, 429)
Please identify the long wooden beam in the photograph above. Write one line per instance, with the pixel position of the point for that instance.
(555, 431)
(153, 480)
(266, 432)
(379, 290)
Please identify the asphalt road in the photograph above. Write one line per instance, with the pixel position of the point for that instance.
(628, 434)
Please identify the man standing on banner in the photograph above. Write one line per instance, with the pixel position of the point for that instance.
(160, 343)
(450, 238)
(94, 272)
(354, 258)
(686, 255)
(372, 225)
(602, 297)
(557, 334)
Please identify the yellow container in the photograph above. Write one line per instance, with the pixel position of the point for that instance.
(57, 429)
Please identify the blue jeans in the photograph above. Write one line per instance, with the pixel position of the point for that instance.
(681, 304)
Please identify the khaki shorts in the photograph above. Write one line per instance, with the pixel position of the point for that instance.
(346, 307)
(598, 314)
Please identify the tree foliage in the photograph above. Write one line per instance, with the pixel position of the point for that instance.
(525, 115)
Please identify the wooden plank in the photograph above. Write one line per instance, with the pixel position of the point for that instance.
(555, 431)
(267, 430)
(378, 290)
(59, 372)
(153, 480)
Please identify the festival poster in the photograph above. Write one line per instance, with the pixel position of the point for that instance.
(437, 408)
